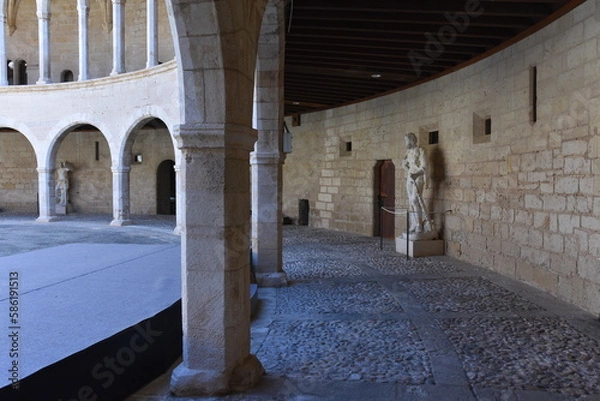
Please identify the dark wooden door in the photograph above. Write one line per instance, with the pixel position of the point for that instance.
(165, 187)
(386, 197)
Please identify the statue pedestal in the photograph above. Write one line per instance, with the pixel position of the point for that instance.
(417, 248)
(61, 210)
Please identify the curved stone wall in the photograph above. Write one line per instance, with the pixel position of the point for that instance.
(525, 200)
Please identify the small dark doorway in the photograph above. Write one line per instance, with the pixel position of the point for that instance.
(385, 195)
(165, 187)
(17, 72)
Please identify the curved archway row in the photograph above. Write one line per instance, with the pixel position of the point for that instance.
(96, 169)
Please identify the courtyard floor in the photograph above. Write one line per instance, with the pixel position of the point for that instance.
(362, 323)
(365, 324)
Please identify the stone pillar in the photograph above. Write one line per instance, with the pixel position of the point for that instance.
(118, 37)
(3, 59)
(179, 200)
(121, 197)
(83, 10)
(215, 262)
(46, 196)
(267, 158)
(43, 14)
(267, 219)
(151, 34)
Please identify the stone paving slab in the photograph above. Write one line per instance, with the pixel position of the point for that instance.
(467, 294)
(335, 298)
(534, 353)
(369, 350)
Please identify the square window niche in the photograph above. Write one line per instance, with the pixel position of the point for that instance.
(482, 128)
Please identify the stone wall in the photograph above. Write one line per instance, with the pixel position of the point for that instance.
(64, 51)
(155, 146)
(525, 200)
(90, 183)
(18, 182)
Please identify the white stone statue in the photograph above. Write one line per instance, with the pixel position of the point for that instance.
(415, 164)
(61, 190)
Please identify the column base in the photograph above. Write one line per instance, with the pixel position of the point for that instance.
(121, 223)
(278, 279)
(187, 382)
(46, 219)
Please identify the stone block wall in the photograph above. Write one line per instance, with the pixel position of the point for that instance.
(524, 200)
(155, 146)
(18, 177)
(90, 182)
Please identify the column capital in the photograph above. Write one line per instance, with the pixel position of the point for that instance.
(118, 2)
(215, 136)
(43, 15)
(266, 158)
(83, 5)
(120, 169)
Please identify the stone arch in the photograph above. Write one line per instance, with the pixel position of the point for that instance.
(18, 181)
(62, 128)
(87, 149)
(67, 76)
(207, 60)
(140, 118)
(152, 141)
(23, 129)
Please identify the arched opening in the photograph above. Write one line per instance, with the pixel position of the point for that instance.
(148, 147)
(385, 196)
(165, 187)
(18, 178)
(84, 151)
(67, 76)
(17, 72)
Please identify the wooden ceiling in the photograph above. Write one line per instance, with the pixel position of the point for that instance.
(343, 51)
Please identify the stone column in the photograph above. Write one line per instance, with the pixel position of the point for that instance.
(151, 34)
(267, 218)
(118, 37)
(215, 262)
(121, 197)
(43, 14)
(46, 196)
(3, 59)
(267, 158)
(179, 200)
(83, 10)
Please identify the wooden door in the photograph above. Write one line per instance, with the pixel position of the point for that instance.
(386, 196)
(165, 187)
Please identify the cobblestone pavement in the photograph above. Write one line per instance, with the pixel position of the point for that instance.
(361, 323)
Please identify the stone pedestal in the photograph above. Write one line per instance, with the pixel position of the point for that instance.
(417, 248)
